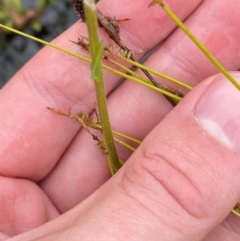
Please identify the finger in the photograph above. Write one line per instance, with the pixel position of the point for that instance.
(24, 206)
(135, 110)
(179, 185)
(152, 24)
(54, 79)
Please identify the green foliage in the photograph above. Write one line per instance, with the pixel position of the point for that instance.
(44, 3)
(13, 13)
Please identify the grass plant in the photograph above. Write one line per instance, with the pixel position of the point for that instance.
(97, 52)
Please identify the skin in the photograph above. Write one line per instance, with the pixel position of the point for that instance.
(51, 167)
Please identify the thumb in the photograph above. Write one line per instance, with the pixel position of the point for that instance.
(184, 179)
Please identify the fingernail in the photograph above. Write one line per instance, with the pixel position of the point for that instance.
(218, 112)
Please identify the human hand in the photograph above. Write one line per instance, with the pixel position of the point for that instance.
(180, 184)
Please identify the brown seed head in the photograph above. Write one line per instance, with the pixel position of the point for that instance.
(79, 8)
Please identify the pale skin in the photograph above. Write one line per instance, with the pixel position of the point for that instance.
(49, 165)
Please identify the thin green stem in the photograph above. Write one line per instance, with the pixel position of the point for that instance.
(235, 212)
(200, 45)
(125, 145)
(46, 43)
(134, 140)
(96, 50)
(127, 70)
(157, 73)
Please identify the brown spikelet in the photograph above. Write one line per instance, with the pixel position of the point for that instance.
(79, 8)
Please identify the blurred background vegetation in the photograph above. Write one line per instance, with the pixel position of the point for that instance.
(44, 19)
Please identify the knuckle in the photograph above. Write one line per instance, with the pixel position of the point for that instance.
(168, 174)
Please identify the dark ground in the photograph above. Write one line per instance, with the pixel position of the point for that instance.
(15, 50)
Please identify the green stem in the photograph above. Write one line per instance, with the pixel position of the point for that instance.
(201, 46)
(125, 145)
(96, 50)
(164, 76)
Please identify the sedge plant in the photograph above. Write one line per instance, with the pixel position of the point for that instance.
(96, 65)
